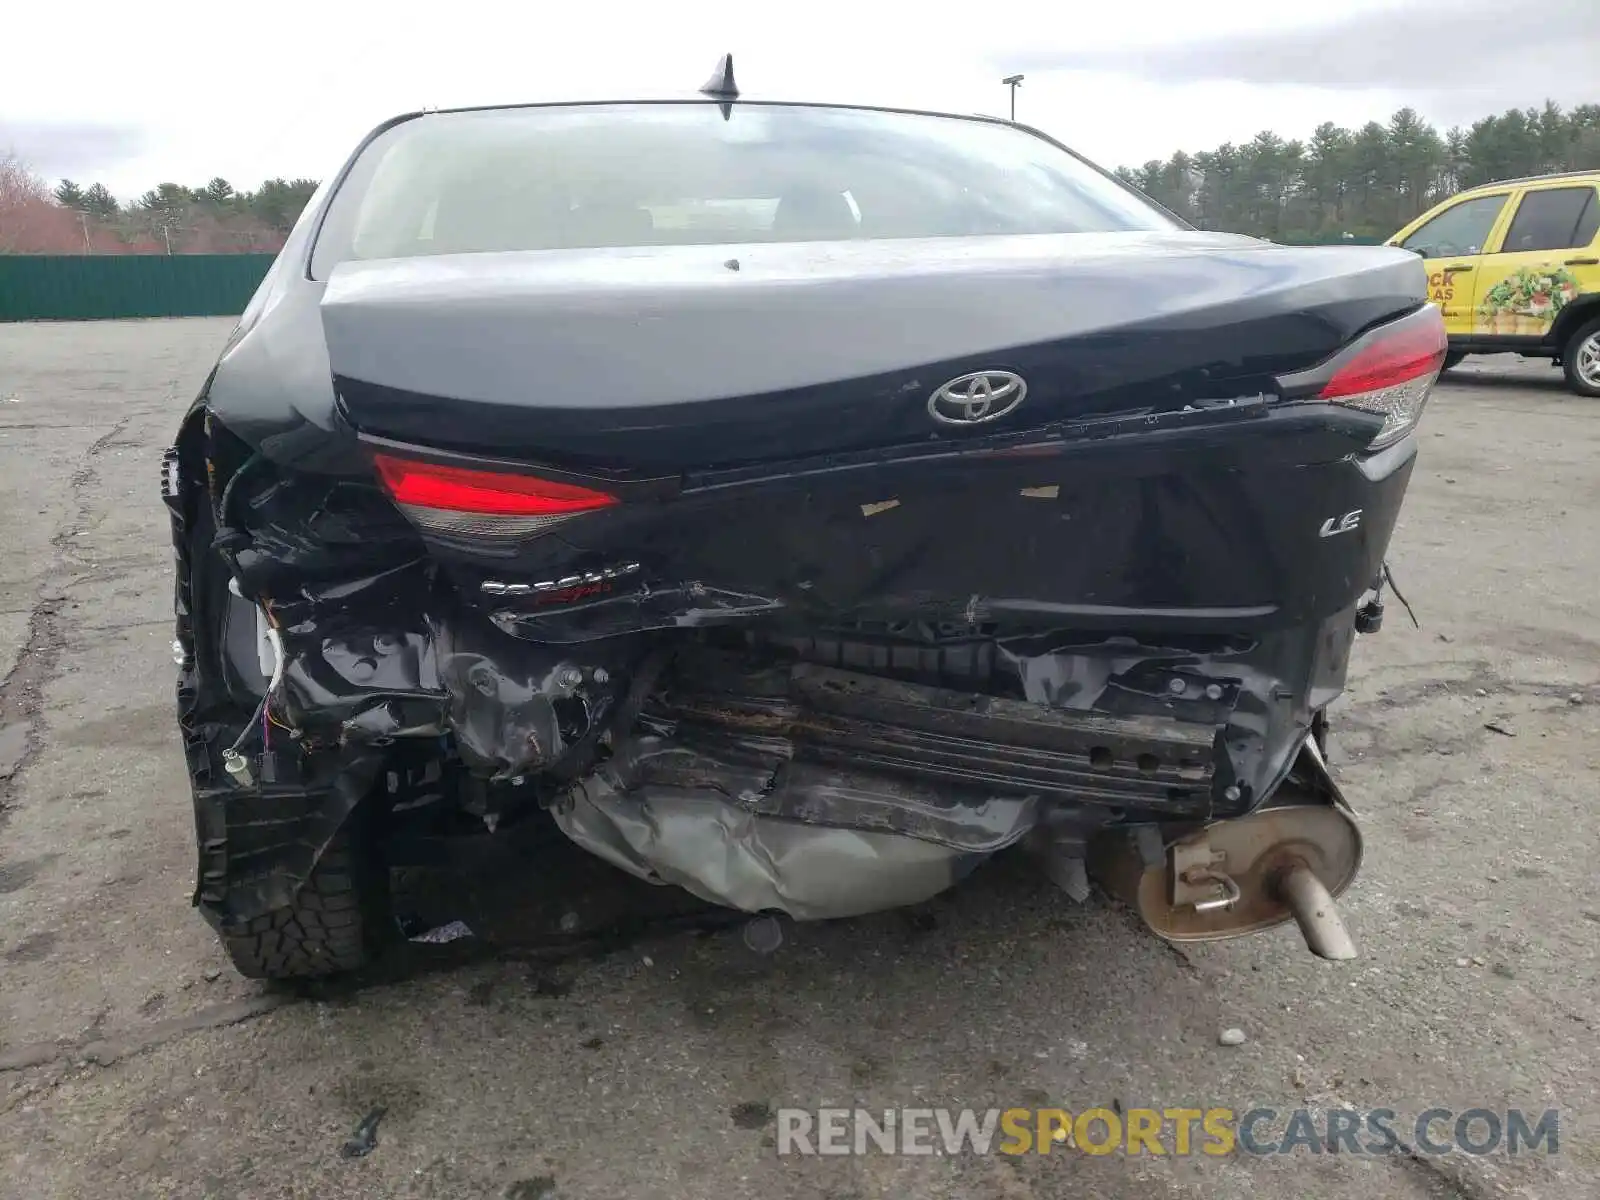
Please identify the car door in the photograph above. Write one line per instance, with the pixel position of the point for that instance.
(1450, 242)
(1545, 258)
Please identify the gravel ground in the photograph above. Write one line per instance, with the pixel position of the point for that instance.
(133, 1062)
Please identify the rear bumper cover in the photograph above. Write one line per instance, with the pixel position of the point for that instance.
(1087, 715)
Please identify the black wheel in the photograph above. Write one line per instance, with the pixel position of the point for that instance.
(1452, 360)
(340, 921)
(1580, 359)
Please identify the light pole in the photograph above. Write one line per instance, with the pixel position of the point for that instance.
(1013, 82)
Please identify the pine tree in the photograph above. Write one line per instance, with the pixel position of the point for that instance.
(69, 195)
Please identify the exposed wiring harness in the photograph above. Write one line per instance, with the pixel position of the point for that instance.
(233, 758)
(223, 505)
(1388, 577)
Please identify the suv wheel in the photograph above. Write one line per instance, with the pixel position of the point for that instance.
(1452, 360)
(338, 922)
(1580, 359)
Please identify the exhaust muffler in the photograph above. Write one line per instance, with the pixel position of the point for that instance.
(1241, 876)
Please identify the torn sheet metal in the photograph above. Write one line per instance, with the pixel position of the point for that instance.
(696, 839)
(783, 835)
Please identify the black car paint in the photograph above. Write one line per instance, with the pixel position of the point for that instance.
(820, 347)
(1182, 542)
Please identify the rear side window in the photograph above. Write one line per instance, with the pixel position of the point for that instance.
(1549, 220)
(617, 175)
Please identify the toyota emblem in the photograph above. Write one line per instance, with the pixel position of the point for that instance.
(978, 397)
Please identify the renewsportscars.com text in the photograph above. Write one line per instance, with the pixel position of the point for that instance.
(1179, 1132)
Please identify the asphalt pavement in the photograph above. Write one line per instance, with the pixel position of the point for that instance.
(648, 1059)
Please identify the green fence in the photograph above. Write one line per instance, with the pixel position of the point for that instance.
(98, 287)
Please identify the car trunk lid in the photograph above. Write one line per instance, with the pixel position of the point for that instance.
(661, 360)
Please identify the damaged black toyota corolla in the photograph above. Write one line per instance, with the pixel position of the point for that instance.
(796, 504)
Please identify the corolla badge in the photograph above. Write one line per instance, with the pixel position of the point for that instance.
(980, 396)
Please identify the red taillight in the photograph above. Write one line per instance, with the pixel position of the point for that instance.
(1409, 352)
(471, 502)
(1392, 373)
(460, 489)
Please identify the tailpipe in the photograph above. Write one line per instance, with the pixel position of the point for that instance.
(1315, 912)
(1287, 862)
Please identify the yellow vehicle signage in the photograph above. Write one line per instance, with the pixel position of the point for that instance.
(1526, 302)
(1515, 267)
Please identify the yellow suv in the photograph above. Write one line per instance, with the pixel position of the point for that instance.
(1515, 266)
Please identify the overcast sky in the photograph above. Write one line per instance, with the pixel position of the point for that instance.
(183, 90)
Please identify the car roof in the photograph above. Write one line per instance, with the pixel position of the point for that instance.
(722, 91)
(1554, 175)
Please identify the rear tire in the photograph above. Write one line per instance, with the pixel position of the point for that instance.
(1580, 359)
(1452, 360)
(338, 922)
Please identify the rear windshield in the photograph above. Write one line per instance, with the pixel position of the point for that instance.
(680, 174)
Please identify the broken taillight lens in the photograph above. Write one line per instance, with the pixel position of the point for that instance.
(469, 502)
(1391, 373)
